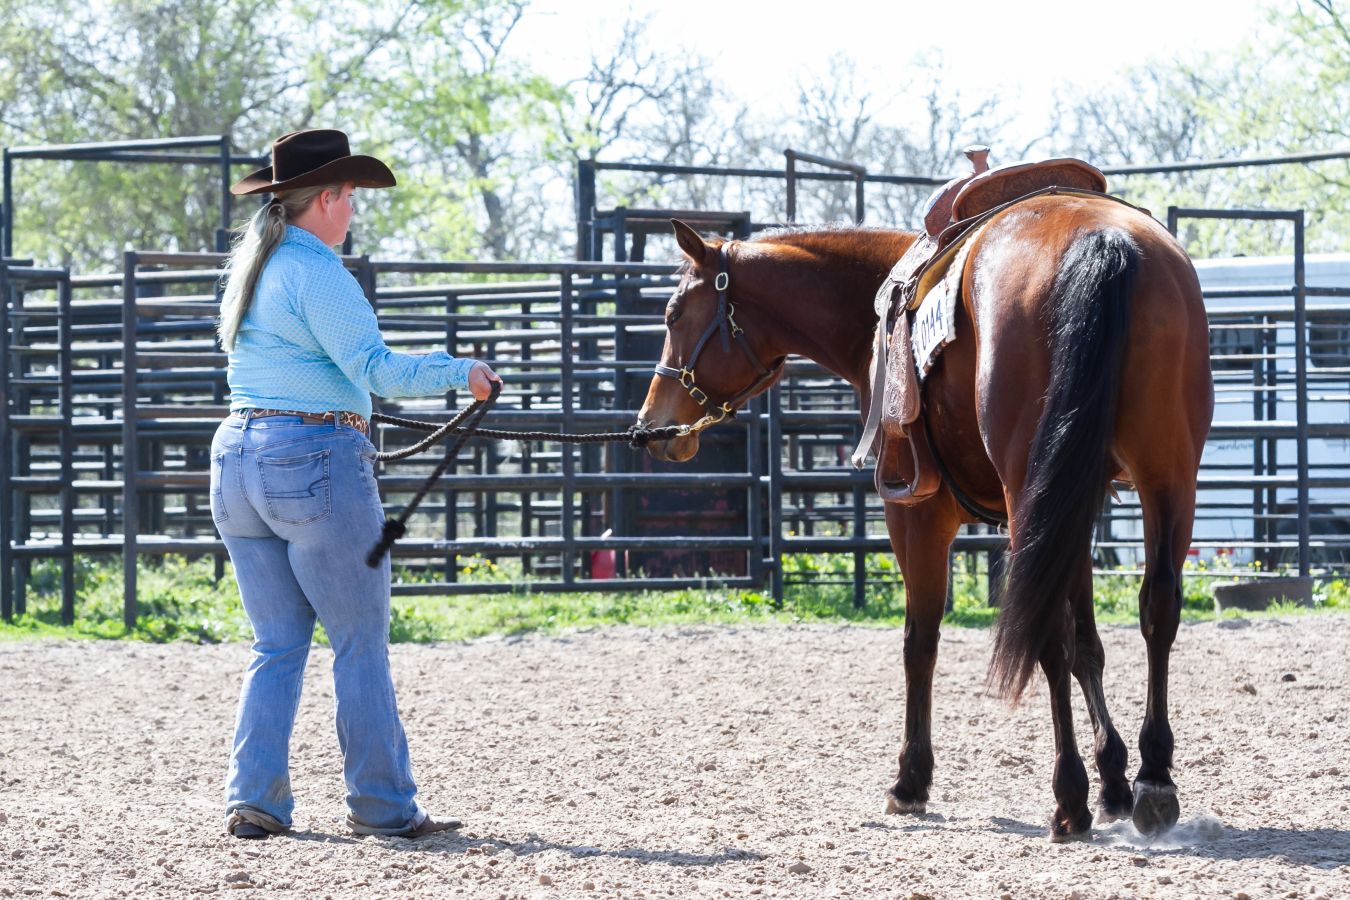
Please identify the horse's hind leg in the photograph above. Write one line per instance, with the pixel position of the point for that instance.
(1168, 515)
(1071, 819)
(1114, 800)
(921, 536)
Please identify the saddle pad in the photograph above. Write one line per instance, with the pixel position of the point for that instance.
(935, 319)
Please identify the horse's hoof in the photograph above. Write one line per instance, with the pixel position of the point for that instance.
(1080, 829)
(1060, 836)
(897, 807)
(1155, 807)
(1106, 815)
(1114, 805)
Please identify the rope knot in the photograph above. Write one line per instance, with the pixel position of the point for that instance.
(638, 438)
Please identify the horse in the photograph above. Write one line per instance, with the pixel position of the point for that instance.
(1081, 356)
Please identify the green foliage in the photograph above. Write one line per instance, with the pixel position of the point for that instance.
(1287, 92)
(181, 600)
(126, 69)
(422, 83)
(484, 146)
(1334, 594)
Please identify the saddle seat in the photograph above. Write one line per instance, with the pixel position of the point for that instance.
(999, 186)
(984, 188)
(906, 470)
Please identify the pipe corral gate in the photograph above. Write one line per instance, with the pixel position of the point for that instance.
(95, 364)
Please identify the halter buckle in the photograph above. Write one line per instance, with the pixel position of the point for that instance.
(722, 281)
(686, 378)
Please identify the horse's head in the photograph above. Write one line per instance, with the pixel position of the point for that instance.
(719, 348)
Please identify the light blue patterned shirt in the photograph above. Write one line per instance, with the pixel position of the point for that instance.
(310, 341)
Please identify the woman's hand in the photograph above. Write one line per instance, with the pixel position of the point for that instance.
(481, 379)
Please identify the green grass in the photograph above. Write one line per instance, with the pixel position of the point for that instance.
(181, 600)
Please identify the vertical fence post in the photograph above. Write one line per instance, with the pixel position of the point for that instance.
(585, 200)
(67, 438)
(21, 339)
(451, 495)
(130, 457)
(7, 204)
(755, 506)
(860, 555)
(223, 232)
(775, 454)
(619, 459)
(791, 175)
(1301, 391)
(569, 465)
(6, 453)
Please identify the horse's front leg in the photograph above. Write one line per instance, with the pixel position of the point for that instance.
(921, 537)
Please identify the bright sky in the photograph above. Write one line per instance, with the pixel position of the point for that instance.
(762, 48)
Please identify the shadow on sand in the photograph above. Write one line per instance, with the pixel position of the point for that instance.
(454, 842)
(1208, 837)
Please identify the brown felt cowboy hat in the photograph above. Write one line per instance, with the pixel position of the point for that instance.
(308, 158)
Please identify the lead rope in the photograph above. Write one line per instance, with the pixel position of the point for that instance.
(396, 528)
(635, 437)
(465, 425)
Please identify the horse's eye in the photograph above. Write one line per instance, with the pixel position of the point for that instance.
(673, 316)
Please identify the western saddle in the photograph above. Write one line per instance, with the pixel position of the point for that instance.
(952, 218)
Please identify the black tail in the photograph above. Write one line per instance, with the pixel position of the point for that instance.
(1069, 464)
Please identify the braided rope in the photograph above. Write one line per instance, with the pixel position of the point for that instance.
(396, 528)
(635, 437)
(465, 425)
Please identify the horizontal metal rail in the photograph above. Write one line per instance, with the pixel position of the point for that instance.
(145, 374)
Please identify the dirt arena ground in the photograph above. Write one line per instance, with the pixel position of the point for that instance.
(679, 762)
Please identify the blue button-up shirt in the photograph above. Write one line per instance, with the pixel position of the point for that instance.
(310, 341)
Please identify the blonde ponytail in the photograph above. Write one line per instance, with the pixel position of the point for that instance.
(257, 241)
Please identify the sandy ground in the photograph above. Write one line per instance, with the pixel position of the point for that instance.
(679, 762)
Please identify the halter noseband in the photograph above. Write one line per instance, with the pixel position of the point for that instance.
(723, 323)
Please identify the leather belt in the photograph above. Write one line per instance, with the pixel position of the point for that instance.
(350, 419)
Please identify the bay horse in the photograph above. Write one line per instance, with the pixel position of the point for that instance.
(1081, 355)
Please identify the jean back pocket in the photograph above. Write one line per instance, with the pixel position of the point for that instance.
(218, 511)
(297, 488)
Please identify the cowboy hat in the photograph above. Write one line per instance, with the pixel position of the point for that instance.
(308, 158)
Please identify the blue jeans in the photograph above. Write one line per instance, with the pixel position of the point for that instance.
(299, 508)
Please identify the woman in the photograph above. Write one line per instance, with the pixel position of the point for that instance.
(293, 488)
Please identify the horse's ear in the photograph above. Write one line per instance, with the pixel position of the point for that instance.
(690, 242)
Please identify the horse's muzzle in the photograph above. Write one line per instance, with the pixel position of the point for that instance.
(677, 450)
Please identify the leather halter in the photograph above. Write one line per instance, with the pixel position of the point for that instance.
(724, 324)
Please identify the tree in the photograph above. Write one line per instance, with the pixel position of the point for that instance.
(73, 72)
(1291, 96)
(470, 125)
(646, 107)
(919, 129)
(640, 105)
